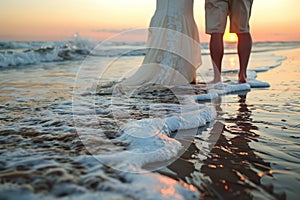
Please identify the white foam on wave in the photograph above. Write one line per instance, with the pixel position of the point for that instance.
(117, 185)
(149, 139)
(21, 45)
(137, 184)
(163, 188)
(258, 84)
(232, 86)
(28, 57)
(22, 53)
(218, 89)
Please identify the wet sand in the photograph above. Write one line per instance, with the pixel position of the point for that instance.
(255, 142)
(251, 151)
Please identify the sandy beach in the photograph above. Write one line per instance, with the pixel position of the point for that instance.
(119, 100)
(249, 151)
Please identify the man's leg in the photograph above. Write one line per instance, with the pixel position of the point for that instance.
(216, 48)
(240, 12)
(244, 50)
(216, 12)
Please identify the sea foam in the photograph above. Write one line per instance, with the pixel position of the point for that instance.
(58, 165)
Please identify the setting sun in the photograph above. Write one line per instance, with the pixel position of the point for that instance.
(101, 19)
(230, 37)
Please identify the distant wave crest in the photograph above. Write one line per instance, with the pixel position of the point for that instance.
(30, 53)
(26, 53)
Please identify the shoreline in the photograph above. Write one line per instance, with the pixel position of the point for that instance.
(235, 167)
(249, 152)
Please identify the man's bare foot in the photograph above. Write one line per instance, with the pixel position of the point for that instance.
(242, 81)
(242, 78)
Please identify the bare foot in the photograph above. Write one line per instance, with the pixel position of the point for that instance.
(242, 78)
(194, 82)
(216, 80)
(242, 81)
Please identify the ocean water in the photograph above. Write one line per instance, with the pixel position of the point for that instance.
(63, 137)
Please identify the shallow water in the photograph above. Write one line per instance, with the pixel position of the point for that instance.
(256, 155)
(250, 151)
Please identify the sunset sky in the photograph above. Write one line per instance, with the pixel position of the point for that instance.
(98, 19)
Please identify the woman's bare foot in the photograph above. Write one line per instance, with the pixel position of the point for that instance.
(193, 82)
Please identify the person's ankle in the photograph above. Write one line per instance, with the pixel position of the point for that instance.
(242, 77)
(242, 80)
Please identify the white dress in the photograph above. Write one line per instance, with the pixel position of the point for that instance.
(173, 48)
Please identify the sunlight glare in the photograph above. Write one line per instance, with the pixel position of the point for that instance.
(230, 37)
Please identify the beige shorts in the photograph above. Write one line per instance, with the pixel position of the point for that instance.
(216, 12)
